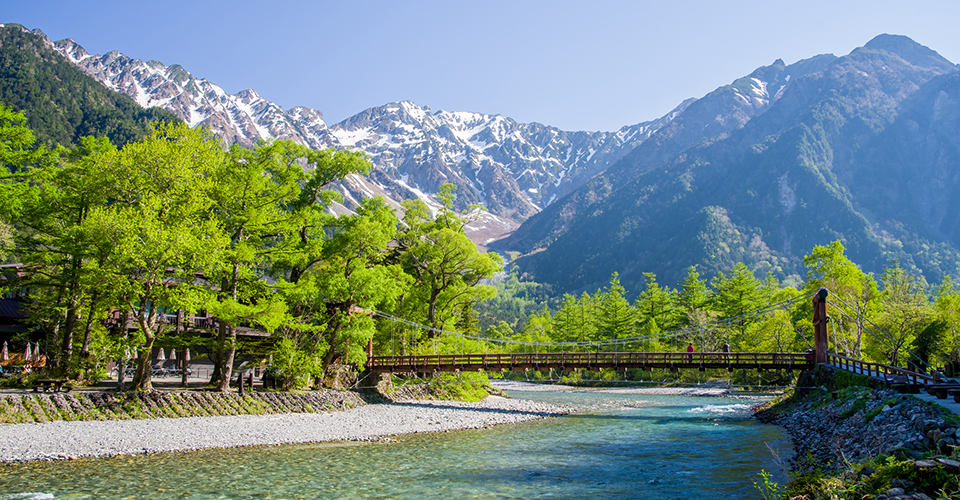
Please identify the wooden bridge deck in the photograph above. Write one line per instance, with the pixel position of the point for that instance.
(589, 361)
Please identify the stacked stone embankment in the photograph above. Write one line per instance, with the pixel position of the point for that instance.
(82, 406)
(840, 424)
(862, 423)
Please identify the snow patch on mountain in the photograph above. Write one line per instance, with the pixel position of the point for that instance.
(513, 169)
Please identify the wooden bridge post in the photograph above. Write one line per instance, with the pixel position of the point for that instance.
(821, 340)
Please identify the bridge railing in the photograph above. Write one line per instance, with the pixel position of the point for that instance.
(590, 359)
(882, 371)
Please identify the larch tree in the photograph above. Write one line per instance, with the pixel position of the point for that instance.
(735, 296)
(447, 267)
(906, 312)
(693, 300)
(616, 317)
(156, 235)
(656, 307)
(854, 292)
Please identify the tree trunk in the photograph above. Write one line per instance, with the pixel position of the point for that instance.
(142, 378)
(432, 312)
(85, 349)
(217, 354)
(230, 347)
(66, 350)
(183, 351)
(229, 353)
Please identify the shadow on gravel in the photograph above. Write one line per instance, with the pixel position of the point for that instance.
(509, 411)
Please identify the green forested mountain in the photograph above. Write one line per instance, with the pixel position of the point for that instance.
(60, 102)
(863, 149)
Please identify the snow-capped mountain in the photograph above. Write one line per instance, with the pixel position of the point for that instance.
(512, 169)
(242, 118)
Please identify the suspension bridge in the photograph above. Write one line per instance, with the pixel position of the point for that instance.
(589, 361)
(596, 355)
(570, 356)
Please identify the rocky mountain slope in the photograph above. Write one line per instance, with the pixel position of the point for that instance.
(861, 148)
(512, 169)
(61, 103)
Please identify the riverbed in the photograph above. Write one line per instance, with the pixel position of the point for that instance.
(616, 446)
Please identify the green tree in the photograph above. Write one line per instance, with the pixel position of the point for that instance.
(735, 296)
(447, 267)
(48, 196)
(566, 327)
(656, 307)
(576, 321)
(156, 234)
(537, 332)
(854, 292)
(355, 278)
(693, 300)
(615, 315)
(251, 192)
(906, 312)
(947, 303)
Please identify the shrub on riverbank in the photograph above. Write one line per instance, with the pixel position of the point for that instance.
(881, 478)
(470, 387)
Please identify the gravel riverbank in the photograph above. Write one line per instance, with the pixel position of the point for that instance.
(71, 439)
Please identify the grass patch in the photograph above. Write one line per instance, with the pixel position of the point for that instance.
(844, 380)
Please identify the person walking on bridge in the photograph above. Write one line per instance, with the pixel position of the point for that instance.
(690, 351)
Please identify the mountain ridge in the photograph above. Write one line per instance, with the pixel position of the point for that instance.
(796, 175)
(414, 150)
(860, 148)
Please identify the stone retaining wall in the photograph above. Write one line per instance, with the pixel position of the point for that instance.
(113, 406)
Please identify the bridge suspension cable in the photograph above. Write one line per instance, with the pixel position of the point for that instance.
(604, 342)
(888, 337)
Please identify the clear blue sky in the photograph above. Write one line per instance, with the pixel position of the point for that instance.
(577, 65)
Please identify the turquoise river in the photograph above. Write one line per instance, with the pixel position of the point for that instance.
(626, 446)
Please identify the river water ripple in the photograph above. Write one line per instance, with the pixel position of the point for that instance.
(624, 446)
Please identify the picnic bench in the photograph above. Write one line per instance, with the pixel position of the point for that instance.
(907, 388)
(941, 390)
(54, 384)
(955, 393)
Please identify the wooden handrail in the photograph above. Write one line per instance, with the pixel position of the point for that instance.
(589, 359)
(880, 370)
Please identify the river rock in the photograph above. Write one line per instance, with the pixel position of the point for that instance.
(832, 434)
(951, 466)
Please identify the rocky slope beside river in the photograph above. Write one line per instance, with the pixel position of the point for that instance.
(852, 440)
(832, 429)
